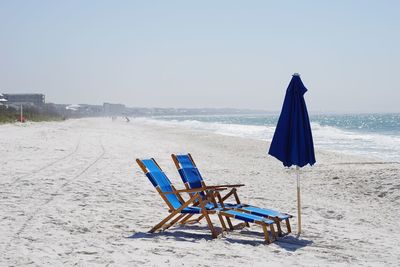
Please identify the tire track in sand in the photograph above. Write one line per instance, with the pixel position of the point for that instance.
(46, 166)
(53, 195)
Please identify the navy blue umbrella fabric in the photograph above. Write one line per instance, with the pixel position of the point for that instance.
(292, 142)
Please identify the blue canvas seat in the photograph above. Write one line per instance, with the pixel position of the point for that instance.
(192, 179)
(201, 202)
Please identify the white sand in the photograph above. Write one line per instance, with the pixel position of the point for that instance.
(71, 194)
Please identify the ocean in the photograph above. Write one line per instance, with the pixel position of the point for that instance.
(375, 136)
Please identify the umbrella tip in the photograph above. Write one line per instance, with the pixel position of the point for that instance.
(296, 74)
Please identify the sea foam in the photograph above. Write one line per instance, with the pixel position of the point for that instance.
(367, 144)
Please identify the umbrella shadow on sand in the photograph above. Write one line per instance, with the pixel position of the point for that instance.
(289, 242)
(293, 243)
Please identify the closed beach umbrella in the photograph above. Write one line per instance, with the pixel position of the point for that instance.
(292, 142)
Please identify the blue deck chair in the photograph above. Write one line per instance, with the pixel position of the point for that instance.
(204, 203)
(192, 179)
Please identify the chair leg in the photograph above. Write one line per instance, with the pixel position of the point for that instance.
(278, 226)
(230, 223)
(205, 214)
(289, 229)
(273, 232)
(221, 219)
(235, 194)
(175, 212)
(192, 221)
(266, 235)
(211, 226)
(200, 218)
(166, 219)
(184, 220)
(174, 221)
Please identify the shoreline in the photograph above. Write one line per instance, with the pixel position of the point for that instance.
(356, 158)
(72, 194)
(327, 138)
(155, 122)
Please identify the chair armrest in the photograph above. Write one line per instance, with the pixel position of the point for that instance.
(226, 185)
(195, 190)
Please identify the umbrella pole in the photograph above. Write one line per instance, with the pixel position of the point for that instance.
(298, 201)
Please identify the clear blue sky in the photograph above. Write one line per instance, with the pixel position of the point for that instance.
(203, 53)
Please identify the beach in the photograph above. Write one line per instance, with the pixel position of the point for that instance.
(72, 194)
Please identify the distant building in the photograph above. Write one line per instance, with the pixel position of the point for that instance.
(25, 99)
(113, 109)
(2, 100)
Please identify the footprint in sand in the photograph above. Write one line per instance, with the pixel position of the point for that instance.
(329, 214)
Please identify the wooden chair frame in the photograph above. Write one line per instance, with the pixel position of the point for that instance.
(232, 192)
(198, 201)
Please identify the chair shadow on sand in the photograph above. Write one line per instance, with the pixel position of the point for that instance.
(288, 242)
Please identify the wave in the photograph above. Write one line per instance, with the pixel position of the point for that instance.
(372, 145)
